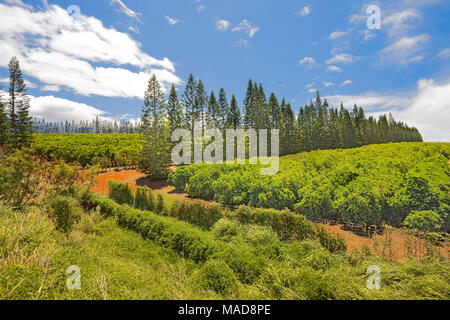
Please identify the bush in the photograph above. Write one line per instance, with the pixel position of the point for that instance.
(289, 226)
(216, 275)
(264, 240)
(226, 230)
(65, 211)
(189, 241)
(200, 214)
(160, 206)
(427, 221)
(120, 192)
(141, 198)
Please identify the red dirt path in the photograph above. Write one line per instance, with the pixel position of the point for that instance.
(133, 178)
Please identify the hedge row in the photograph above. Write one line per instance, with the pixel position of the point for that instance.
(187, 240)
(289, 226)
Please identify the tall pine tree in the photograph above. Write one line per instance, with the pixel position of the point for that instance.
(212, 114)
(21, 126)
(248, 104)
(234, 115)
(191, 111)
(174, 110)
(223, 108)
(155, 158)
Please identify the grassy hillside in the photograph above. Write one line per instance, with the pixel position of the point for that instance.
(120, 263)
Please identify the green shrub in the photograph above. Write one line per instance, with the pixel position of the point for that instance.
(216, 275)
(141, 198)
(427, 221)
(264, 240)
(226, 230)
(160, 207)
(198, 213)
(289, 226)
(120, 192)
(65, 211)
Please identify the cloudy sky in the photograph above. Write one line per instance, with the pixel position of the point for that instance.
(84, 58)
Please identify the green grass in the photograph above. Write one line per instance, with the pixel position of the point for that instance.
(117, 263)
(114, 263)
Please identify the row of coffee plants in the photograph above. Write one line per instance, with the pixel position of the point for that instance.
(371, 184)
(287, 225)
(104, 150)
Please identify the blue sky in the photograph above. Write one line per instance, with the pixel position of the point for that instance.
(97, 62)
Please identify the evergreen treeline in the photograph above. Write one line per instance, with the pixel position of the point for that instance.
(95, 126)
(317, 126)
(15, 123)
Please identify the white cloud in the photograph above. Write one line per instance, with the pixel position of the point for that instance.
(246, 27)
(201, 8)
(404, 51)
(443, 54)
(243, 43)
(336, 35)
(426, 109)
(173, 21)
(400, 22)
(124, 9)
(334, 69)
(367, 35)
(312, 90)
(327, 84)
(51, 88)
(310, 62)
(19, 3)
(44, 40)
(222, 25)
(309, 85)
(28, 83)
(304, 12)
(56, 110)
(343, 58)
(346, 82)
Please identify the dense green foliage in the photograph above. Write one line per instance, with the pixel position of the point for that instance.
(427, 221)
(89, 148)
(127, 253)
(287, 225)
(364, 185)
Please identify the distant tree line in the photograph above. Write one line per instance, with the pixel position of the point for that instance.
(15, 123)
(84, 126)
(316, 126)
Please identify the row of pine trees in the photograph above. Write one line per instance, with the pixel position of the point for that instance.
(317, 126)
(97, 125)
(16, 126)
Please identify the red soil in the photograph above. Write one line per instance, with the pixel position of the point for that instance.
(134, 178)
(398, 237)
